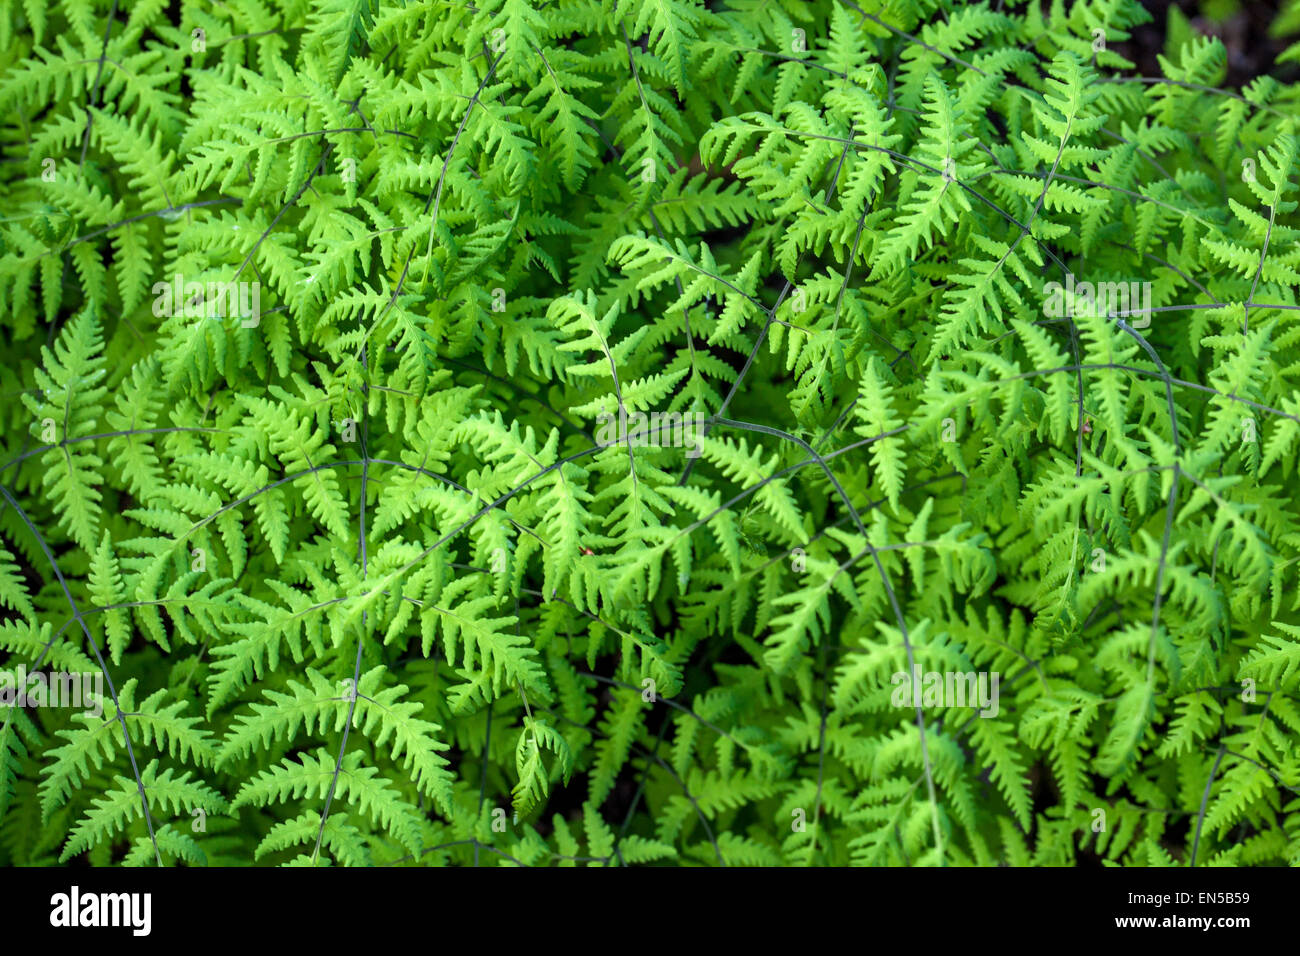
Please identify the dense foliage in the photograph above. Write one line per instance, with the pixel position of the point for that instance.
(611, 401)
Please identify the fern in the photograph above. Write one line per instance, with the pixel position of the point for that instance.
(612, 434)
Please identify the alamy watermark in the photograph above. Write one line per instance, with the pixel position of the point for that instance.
(81, 690)
(209, 300)
(947, 689)
(77, 909)
(1130, 301)
(662, 429)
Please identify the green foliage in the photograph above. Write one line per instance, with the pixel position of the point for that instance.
(630, 396)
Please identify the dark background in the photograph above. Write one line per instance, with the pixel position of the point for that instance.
(1242, 25)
